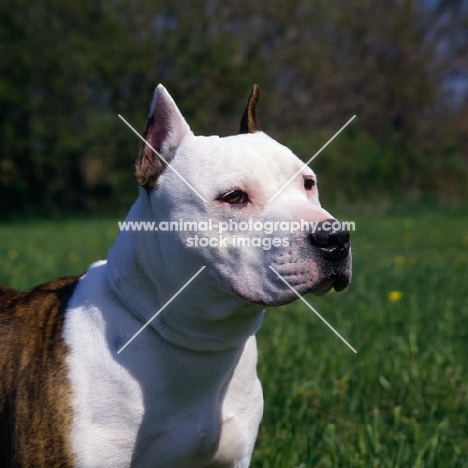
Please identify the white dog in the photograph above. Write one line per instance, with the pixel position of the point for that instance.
(184, 393)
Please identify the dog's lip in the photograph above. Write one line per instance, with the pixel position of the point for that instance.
(337, 281)
(322, 288)
(341, 282)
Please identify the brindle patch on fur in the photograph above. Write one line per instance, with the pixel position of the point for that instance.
(35, 394)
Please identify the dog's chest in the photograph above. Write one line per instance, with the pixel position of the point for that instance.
(127, 422)
(212, 433)
(187, 439)
(150, 406)
(124, 423)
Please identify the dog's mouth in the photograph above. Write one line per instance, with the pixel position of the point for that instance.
(337, 281)
(338, 277)
(282, 294)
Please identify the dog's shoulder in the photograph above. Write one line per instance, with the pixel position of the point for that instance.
(34, 390)
(28, 320)
(7, 297)
(19, 308)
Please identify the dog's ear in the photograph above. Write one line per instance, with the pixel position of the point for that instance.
(249, 122)
(165, 130)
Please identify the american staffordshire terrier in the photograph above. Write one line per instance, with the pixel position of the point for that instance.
(184, 393)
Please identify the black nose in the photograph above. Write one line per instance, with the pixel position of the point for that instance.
(331, 239)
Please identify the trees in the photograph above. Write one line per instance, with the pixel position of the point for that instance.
(68, 69)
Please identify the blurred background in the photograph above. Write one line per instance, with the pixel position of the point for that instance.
(68, 68)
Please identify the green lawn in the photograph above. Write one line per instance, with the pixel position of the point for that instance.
(401, 401)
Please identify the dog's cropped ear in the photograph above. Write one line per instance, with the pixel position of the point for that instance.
(165, 130)
(249, 122)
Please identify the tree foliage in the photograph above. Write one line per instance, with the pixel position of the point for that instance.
(68, 68)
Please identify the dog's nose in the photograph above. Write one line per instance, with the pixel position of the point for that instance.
(333, 243)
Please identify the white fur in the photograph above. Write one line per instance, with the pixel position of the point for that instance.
(184, 393)
(154, 398)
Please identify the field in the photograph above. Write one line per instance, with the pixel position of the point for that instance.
(401, 401)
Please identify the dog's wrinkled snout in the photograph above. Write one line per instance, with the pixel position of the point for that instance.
(333, 243)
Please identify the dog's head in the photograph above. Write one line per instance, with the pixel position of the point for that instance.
(244, 206)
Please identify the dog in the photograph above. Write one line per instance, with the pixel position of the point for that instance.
(184, 393)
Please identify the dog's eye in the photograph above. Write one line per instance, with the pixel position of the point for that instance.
(309, 184)
(235, 197)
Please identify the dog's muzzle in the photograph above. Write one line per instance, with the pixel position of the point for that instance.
(333, 246)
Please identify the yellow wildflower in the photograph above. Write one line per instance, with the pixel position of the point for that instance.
(394, 296)
(12, 254)
(400, 260)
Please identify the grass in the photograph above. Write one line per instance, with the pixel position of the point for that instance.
(37, 251)
(401, 401)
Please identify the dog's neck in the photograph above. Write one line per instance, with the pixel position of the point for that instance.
(195, 320)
